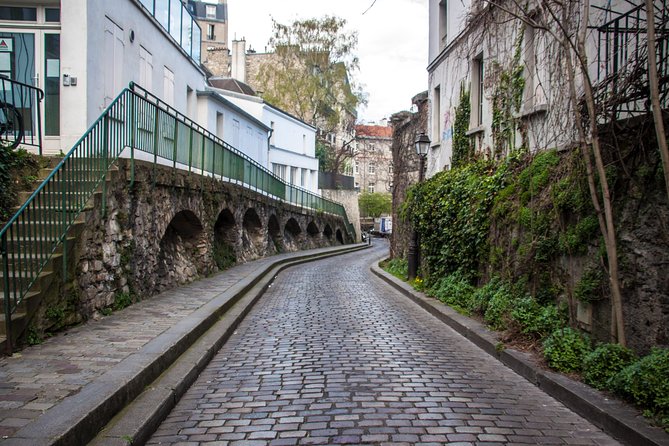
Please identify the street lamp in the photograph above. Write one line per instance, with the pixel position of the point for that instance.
(422, 145)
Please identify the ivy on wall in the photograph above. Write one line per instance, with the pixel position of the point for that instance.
(463, 150)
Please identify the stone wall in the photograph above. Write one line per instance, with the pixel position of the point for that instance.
(349, 198)
(406, 126)
(171, 228)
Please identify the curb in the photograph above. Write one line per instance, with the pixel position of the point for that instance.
(80, 418)
(612, 416)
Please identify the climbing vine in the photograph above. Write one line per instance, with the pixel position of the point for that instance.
(506, 100)
(462, 147)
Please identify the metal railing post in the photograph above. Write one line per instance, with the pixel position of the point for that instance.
(133, 136)
(6, 293)
(155, 142)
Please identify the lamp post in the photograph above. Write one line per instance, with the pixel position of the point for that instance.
(422, 144)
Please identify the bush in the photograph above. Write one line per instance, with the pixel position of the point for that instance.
(499, 306)
(565, 349)
(602, 364)
(454, 290)
(397, 267)
(536, 319)
(646, 382)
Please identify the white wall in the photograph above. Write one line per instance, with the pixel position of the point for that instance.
(293, 142)
(253, 143)
(83, 54)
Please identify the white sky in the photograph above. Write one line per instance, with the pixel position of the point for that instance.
(392, 42)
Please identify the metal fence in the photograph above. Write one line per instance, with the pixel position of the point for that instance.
(622, 60)
(135, 121)
(26, 100)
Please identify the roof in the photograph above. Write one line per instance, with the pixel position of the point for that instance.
(374, 131)
(230, 84)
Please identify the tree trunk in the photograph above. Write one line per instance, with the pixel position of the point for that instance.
(654, 93)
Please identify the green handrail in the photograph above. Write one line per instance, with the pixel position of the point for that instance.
(136, 121)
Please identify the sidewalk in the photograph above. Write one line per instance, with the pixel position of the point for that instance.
(71, 385)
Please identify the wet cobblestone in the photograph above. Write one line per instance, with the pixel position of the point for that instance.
(332, 355)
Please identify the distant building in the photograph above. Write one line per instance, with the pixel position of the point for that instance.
(292, 143)
(373, 159)
(212, 16)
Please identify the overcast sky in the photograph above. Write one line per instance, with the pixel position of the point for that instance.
(392, 44)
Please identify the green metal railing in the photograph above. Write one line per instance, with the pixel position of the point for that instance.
(135, 121)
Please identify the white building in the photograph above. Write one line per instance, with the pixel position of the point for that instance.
(292, 144)
(475, 47)
(82, 53)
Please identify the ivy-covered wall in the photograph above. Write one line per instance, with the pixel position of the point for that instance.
(527, 220)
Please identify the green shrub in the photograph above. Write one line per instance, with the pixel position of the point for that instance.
(499, 306)
(589, 286)
(646, 382)
(223, 253)
(536, 319)
(565, 349)
(535, 177)
(122, 300)
(600, 365)
(454, 290)
(397, 267)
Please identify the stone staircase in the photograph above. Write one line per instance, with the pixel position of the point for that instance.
(23, 251)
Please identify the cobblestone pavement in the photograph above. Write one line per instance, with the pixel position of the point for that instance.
(39, 377)
(332, 355)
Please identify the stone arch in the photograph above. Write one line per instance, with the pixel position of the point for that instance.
(312, 229)
(274, 232)
(253, 239)
(340, 237)
(225, 238)
(327, 232)
(180, 258)
(291, 234)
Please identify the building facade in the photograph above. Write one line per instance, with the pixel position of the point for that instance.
(291, 153)
(83, 54)
(372, 164)
(212, 16)
(501, 59)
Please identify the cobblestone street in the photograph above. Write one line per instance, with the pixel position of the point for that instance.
(332, 355)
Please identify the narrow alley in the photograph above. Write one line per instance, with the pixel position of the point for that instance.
(332, 355)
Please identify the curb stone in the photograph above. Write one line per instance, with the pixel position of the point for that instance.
(80, 417)
(610, 415)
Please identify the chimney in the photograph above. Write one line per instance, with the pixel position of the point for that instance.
(239, 60)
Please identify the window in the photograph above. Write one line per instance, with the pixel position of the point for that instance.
(145, 69)
(168, 86)
(304, 143)
(357, 167)
(357, 186)
(436, 115)
(210, 11)
(176, 9)
(529, 92)
(443, 22)
(293, 175)
(477, 93)
(220, 124)
(113, 71)
(303, 180)
(370, 188)
(52, 14)
(18, 14)
(279, 170)
(235, 134)
(371, 168)
(210, 32)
